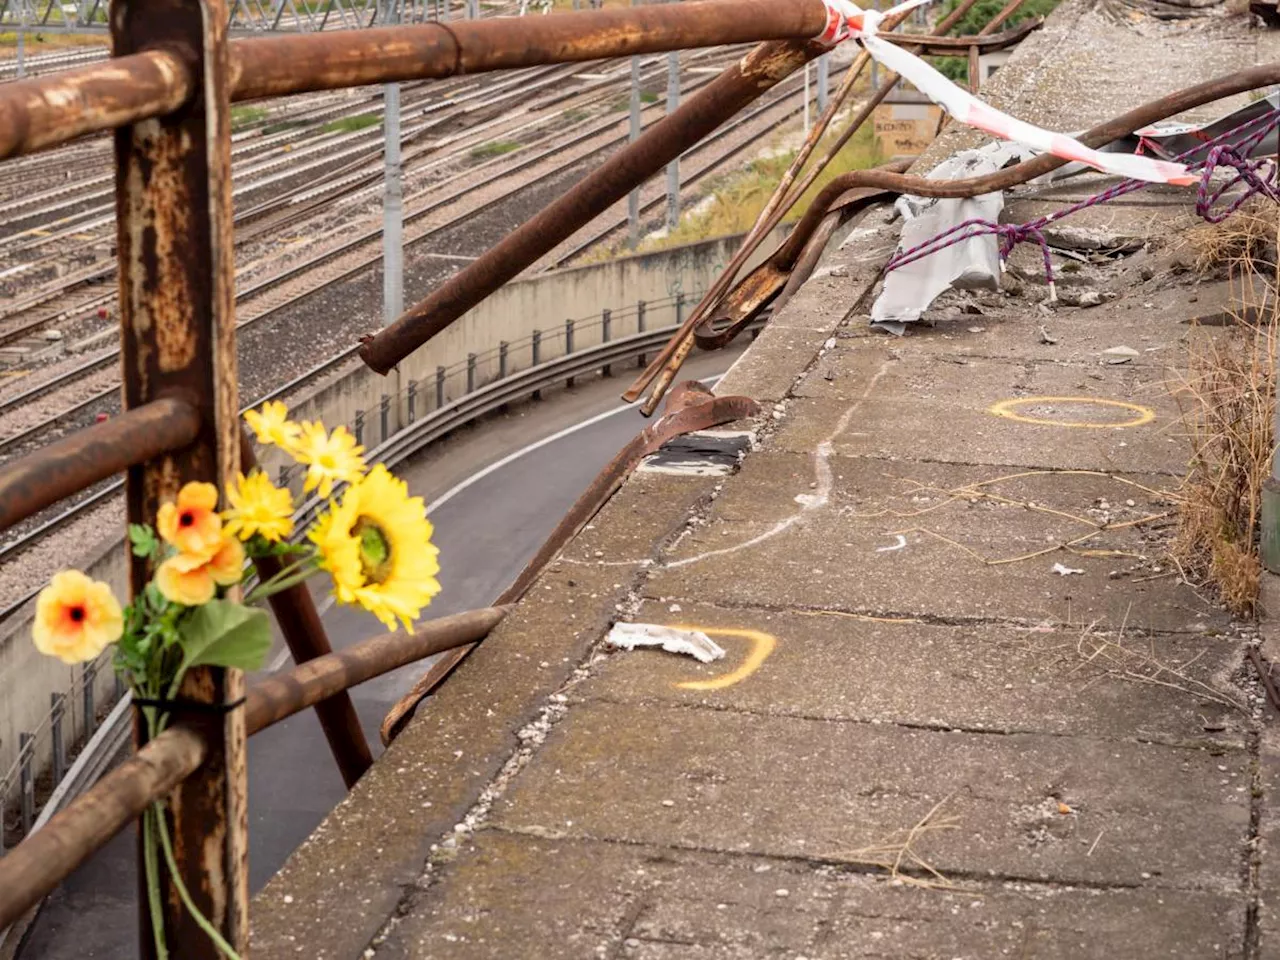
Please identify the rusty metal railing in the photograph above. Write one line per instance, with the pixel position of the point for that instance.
(166, 94)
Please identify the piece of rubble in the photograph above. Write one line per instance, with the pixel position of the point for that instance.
(1046, 337)
(693, 643)
(1119, 354)
(1079, 298)
(1062, 571)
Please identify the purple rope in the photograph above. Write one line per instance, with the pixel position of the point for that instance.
(1220, 154)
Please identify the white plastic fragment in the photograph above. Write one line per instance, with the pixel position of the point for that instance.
(1062, 571)
(1115, 355)
(693, 643)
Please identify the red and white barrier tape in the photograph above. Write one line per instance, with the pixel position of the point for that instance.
(845, 21)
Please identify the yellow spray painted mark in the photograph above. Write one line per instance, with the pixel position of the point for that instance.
(762, 645)
(1009, 410)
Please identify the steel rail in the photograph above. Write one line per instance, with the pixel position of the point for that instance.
(30, 871)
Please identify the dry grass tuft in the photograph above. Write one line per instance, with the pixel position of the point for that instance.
(1242, 242)
(1228, 397)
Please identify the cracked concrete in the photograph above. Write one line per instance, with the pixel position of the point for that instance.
(968, 708)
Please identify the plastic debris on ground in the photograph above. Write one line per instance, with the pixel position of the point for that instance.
(971, 264)
(693, 643)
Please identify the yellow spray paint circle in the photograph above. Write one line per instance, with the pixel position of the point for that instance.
(1012, 410)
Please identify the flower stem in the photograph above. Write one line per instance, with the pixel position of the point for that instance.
(201, 920)
(151, 867)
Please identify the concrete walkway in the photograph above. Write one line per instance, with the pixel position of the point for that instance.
(968, 710)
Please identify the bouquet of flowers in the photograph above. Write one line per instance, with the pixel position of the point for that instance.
(371, 537)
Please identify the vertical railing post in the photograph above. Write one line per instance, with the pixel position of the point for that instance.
(441, 373)
(177, 315)
(471, 372)
(503, 351)
(26, 780)
(384, 417)
(411, 396)
(642, 361)
(535, 356)
(606, 330)
(357, 428)
(57, 709)
(88, 677)
(568, 347)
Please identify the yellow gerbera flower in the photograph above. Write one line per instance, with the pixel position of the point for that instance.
(191, 580)
(192, 523)
(376, 544)
(329, 457)
(76, 618)
(258, 506)
(271, 424)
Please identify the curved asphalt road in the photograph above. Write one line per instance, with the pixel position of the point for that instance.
(499, 491)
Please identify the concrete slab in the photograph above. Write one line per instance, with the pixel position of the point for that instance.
(349, 877)
(564, 900)
(981, 677)
(1137, 815)
(962, 554)
(886, 403)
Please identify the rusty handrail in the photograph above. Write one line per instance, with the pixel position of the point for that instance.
(30, 871)
(46, 111)
(59, 469)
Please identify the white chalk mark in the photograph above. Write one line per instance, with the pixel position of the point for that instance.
(902, 542)
(815, 500)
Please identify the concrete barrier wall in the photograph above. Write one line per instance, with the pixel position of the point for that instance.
(668, 282)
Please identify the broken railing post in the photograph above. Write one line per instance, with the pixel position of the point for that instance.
(177, 315)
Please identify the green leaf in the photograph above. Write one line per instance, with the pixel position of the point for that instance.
(224, 634)
(143, 539)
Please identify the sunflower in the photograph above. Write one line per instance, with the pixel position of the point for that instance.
(191, 580)
(329, 457)
(192, 523)
(376, 545)
(258, 507)
(76, 618)
(272, 425)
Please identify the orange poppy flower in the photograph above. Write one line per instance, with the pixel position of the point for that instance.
(76, 618)
(192, 580)
(192, 524)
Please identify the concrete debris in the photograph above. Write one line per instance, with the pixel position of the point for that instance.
(970, 264)
(1115, 355)
(1091, 239)
(1046, 337)
(1080, 298)
(1062, 571)
(693, 643)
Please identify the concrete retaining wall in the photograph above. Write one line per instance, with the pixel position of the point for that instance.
(668, 283)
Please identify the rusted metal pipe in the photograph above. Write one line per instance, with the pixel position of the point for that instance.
(31, 483)
(1007, 11)
(667, 363)
(690, 407)
(273, 66)
(311, 684)
(46, 111)
(304, 632)
(32, 870)
(740, 84)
